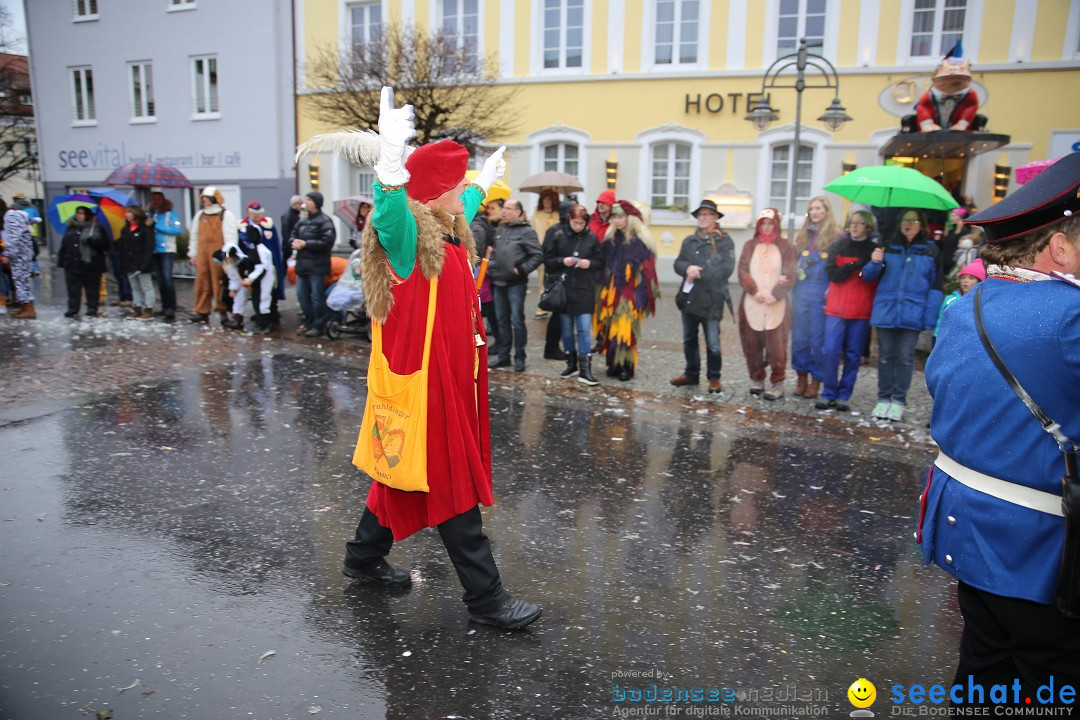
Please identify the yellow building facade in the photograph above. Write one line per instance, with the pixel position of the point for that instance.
(661, 88)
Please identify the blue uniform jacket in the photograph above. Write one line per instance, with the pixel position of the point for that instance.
(991, 544)
(909, 291)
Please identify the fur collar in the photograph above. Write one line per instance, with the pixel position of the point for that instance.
(432, 229)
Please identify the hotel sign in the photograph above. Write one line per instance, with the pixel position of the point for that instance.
(713, 103)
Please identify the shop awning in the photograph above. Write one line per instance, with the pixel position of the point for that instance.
(943, 144)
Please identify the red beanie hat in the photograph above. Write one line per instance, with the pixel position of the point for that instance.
(435, 168)
(606, 197)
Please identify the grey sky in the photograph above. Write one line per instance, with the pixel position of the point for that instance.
(18, 29)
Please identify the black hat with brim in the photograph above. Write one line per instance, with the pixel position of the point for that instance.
(708, 205)
(1051, 197)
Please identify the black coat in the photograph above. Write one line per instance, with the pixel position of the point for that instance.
(318, 232)
(70, 255)
(135, 250)
(562, 242)
(483, 233)
(716, 257)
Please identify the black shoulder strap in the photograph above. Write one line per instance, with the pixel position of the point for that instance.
(1064, 443)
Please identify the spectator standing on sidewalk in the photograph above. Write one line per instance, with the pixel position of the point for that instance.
(517, 254)
(312, 241)
(767, 269)
(907, 302)
(848, 304)
(808, 297)
(573, 252)
(212, 228)
(166, 228)
(706, 261)
(82, 257)
(629, 289)
(20, 254)
(289, 219)
(544, 217)
(483, 230)
(599, 220)
(135, 258)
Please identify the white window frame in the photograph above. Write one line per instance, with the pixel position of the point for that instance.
(78, 77)
(560, 157)
(81, 10)
(772, 30)
(648, 39)
(347, 12)
(26, 99)
(1071, 51)
(561, 134)
(149, 109)
(537, 46)
(437, 10)
(785, 135)
(208, 113)
(180, 5)
(670, 133)
(973, 21)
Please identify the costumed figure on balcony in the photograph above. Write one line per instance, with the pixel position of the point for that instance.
(950, 103)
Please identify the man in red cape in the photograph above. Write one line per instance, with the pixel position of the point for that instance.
(419, 231)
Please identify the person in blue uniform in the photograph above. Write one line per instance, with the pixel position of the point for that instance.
(992, 510)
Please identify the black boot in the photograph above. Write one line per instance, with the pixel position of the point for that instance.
(571, 366)
(585, 373)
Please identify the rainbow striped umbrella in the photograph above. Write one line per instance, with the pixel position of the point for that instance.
(146, 173)
(110, 208)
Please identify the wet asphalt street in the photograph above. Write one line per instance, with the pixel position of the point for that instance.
(174, 503)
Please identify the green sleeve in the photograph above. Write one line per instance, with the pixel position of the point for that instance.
(396, 228)
(472, 199)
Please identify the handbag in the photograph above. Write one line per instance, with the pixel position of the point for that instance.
(553, 299)
(392, 447)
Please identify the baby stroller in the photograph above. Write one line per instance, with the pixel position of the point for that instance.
(345, 304)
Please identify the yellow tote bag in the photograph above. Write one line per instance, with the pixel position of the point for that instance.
(392, 447)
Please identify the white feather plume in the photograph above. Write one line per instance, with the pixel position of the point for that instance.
(359, 147)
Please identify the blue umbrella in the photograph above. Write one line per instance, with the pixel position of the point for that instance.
(63, 208)
(120, 198)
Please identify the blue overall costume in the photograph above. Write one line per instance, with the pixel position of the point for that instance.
(808, 310)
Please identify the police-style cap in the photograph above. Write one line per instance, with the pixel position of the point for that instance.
(1052, 197)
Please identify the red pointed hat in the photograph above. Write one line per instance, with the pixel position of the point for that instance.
(435, 168)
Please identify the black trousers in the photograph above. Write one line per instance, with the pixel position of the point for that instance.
(78, 283)
(465, 542)
(1006, 639)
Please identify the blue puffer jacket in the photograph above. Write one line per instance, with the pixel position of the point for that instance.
(909, 292)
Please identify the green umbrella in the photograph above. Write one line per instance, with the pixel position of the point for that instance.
(892, 186)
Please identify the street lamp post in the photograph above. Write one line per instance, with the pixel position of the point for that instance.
(763, 115)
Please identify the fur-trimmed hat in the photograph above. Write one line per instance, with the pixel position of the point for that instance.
(255, 208)
(435, 168)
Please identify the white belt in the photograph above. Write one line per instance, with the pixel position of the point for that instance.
(1014, 493)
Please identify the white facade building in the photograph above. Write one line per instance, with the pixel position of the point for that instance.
(206, 87)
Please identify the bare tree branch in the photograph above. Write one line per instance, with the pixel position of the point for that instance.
(453, 93)
(18, 146)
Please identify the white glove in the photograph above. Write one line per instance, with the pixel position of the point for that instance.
(494, 168)
(395, 130)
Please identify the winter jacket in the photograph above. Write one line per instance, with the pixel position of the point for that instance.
(851, 294)
(318, 232)
(516, 246)
(716, 257)
(70, 256)
(909, 288)
(289, 220)
(135, 249)
(166, 228)
(580, 284)
(483, 233)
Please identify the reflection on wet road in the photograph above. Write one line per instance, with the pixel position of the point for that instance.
(179, 530)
